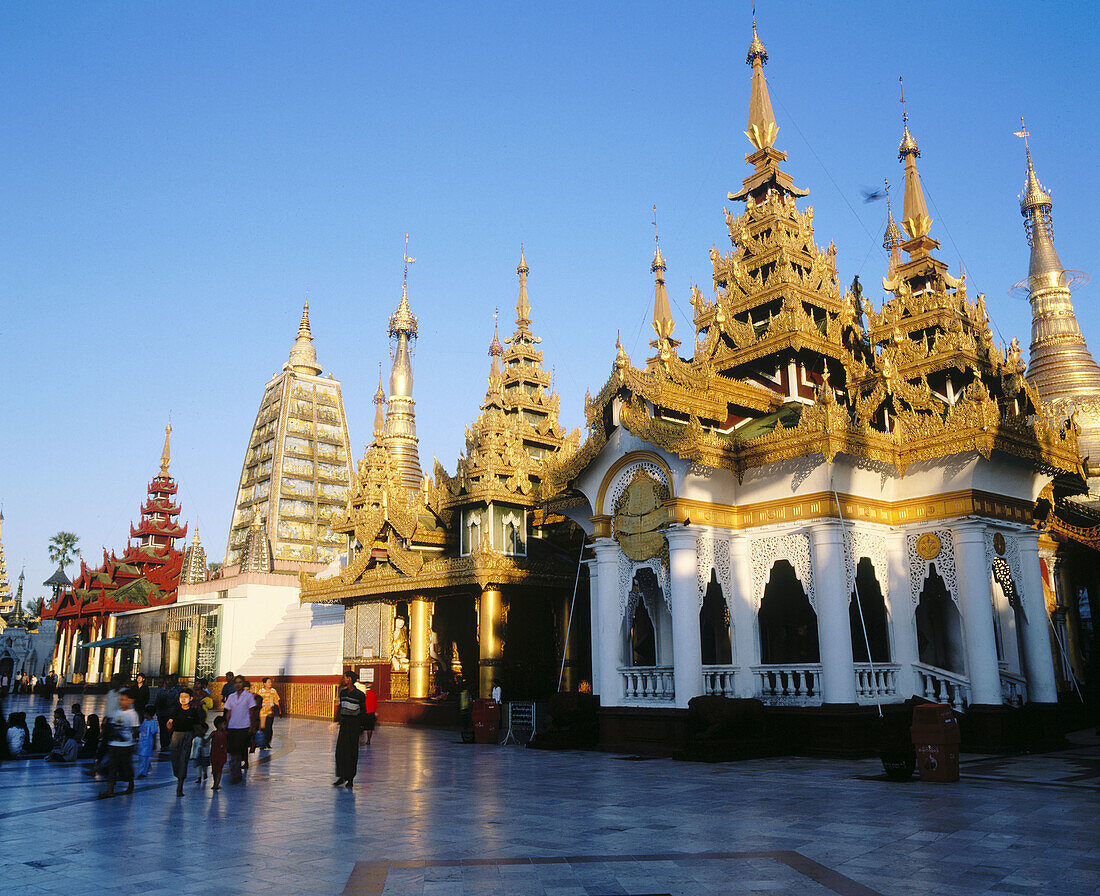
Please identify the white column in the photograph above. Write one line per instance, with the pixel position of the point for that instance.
(609, 623)
(902, 616)
(742, 604)
(687, 652)
(1042, 686)
(977, 612)
(594, 622)
(834, 630)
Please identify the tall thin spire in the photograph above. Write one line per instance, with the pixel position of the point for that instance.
(303, 356)
(523, 305)
(893, 238)
(914, 218)
(1060, 365)
(166, 453)
(379, 409)
(399, 431)
(663, 323)
(762, 128)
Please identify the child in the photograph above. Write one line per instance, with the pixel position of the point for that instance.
(200, 751)
(219, 750)
(147, 741)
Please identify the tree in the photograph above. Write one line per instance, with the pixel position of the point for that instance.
(212, 569)
(63, 548)
(35, 607)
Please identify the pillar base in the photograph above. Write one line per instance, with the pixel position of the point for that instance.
(1043, 727)
(987, 728)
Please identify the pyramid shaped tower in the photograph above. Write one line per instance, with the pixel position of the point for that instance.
(296, 468)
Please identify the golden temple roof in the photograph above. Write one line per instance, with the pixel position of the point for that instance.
(303, 355)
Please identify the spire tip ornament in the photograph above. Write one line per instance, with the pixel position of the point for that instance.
(303, 355)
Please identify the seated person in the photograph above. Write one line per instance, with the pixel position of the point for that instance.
(17, 735)
(67, 752)
(91, 738)
(41, 738)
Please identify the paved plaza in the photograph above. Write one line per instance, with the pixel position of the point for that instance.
(433, 817)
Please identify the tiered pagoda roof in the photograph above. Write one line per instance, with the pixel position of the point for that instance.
(787, 366)
(147, 574)
(408, 539)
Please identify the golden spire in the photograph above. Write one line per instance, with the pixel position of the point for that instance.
(663, 324)
(379, 413)
(166, 453)
(762, 128)
(399, 431)
(893, 237)
(914, 218)
(495, 348)
(523, 305)
(303, 356)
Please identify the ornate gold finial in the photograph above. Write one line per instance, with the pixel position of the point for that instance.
(762, 128)
(166, 453)
(663, 322)
(915, 218)
(402, 320)
(303, 356)
(379, 412)
(892, 241)
(1034, 195)
(523, 305)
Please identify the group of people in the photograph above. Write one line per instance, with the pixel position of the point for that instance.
(138, 722)
(27, 683)
(66, 740)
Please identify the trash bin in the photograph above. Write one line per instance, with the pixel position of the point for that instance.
(935, 734)
(486, 721)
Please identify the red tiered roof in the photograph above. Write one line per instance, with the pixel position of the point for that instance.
(146, 575)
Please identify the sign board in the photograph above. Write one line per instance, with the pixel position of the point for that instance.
(366, 674)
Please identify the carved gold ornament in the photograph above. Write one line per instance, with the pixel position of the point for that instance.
(640, 516)
(929, 546)
(999, 543)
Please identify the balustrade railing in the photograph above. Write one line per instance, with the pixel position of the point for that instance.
(719, 681)
(1013, 689)
(647, 683)
(942, 686)
(876, 681)
(789, 684)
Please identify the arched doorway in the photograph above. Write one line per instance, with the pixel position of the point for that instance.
(714, 626)
(788, 624)
(875, 616)
(648, 624)
(939, 626)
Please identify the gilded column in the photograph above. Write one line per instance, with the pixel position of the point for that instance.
(977, 614)
(742, 604)
(490, 637)
(568, 635)
(902, 618)
(834, 629)
(687, 674)
(608, 631)
(419, 637)
(1038, 660)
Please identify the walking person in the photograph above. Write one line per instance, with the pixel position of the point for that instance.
(141, 695)
(182, 723)
(147, 741)
(241, 722)
(227, 688)
(218, 751)
(200, 752)
(370, 706)
(351, 717)
(269, 705)
(124, 726)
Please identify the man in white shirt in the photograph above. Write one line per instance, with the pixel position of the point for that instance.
(242, 720)
(124, 723)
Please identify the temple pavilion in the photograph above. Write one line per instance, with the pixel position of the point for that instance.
(147, 575)
(465, 575)
(817, 502)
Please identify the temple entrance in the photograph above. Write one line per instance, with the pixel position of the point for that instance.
(875, 616)
(939, 626)
(788, 624)
(714, 626)
(649, 625)
(454, 625)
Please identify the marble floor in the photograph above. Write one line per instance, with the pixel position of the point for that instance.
(432, 817)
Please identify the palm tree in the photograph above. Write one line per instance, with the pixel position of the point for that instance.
(63, 548)
(36, 606)
(212, 569)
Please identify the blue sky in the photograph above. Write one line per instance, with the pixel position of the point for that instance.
(178, 176)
